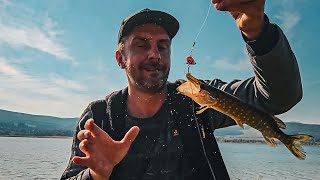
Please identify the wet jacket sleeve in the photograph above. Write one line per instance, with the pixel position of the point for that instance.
(276, 85)
(74, 171)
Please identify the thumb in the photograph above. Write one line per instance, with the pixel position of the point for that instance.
(131, 135)
(83, 161)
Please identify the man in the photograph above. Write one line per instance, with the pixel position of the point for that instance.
(148, 131)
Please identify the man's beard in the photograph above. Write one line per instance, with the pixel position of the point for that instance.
(149, 83)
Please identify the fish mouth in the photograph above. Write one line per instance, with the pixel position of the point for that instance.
(193, 80)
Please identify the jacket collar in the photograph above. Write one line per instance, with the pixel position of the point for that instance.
(116, 106)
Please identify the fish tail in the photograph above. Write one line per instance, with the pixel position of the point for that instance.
(294, 145)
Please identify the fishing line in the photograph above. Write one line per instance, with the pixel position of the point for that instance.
(190, 60)
(202, 144)
(205, 20)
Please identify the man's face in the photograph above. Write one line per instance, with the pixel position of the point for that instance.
(146, 57)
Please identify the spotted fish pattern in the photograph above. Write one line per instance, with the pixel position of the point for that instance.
(242, 113)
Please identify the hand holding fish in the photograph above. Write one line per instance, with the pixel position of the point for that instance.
(102, 152)
(249, 15)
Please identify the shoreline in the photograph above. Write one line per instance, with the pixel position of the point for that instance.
(53, 137)
(223, 142)
(219, 140)
(246, 140)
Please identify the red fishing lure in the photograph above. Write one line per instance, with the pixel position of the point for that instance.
(190, 60)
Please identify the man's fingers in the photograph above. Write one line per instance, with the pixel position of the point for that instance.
(83, 161)
(91, 126)
(252, 9)
(84, 146)
(215, 1)
(84, 134)
(131, 135)
(234, 5)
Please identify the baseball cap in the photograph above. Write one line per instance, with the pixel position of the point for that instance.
(145, 16)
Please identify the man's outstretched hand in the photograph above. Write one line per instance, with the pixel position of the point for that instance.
(102, 152)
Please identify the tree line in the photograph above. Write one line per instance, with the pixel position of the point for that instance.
(23, 129)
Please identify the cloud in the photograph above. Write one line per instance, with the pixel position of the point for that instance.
(10, 71)
(66, 83)
(242, 64)
(288, 20)
(53, 95)
(289, 15)
(226, 64)
(4, 3)
(30, 29)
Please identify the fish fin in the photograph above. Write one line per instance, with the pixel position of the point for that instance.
(279, 122)
(239, 123)
(270, 141)
(295, 147)
(202, 109)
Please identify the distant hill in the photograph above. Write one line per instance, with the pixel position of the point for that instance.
(292, 128)
(22, 124)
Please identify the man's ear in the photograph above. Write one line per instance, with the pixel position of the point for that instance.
(120, 60)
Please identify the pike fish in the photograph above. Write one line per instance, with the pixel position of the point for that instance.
(242, 113)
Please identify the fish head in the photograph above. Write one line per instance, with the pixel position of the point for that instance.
(194, 81)
(191, 87)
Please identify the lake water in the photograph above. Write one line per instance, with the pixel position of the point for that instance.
(46, 158)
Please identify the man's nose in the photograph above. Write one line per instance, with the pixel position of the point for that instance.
(154, 53)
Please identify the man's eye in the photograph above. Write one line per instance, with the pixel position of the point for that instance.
(141, 45)
(163, 47)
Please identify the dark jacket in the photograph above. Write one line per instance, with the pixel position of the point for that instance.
(275, 88)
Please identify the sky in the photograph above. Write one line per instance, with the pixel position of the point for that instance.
(57, 56)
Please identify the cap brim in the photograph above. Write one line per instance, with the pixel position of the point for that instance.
(165, 20)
